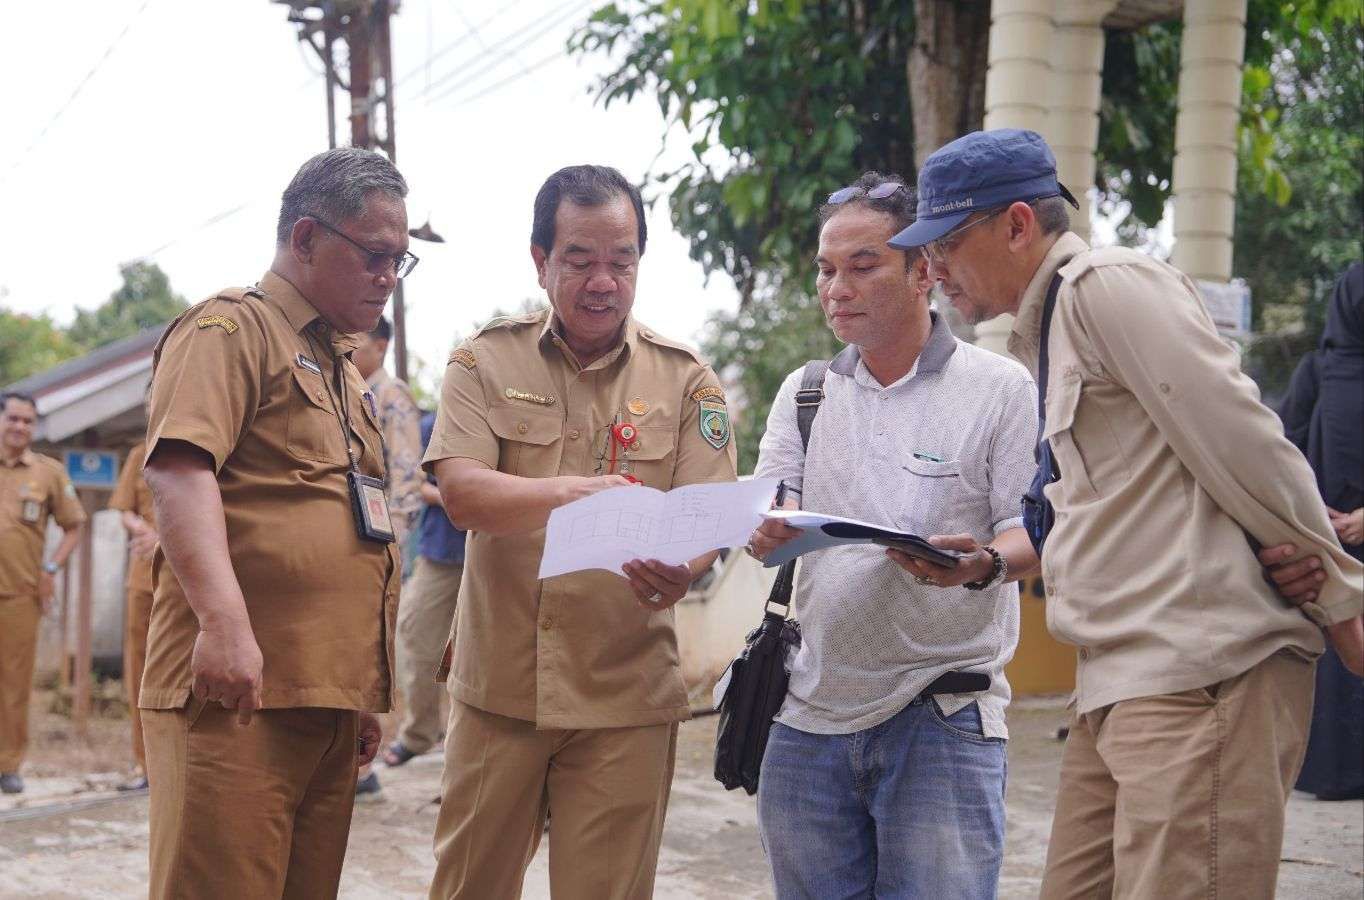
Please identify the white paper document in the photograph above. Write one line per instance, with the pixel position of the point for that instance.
(819, 531)
(610, 528)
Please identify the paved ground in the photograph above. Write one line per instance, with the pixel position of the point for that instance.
(711, 849)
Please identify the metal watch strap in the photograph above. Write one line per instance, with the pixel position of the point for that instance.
(999, 569)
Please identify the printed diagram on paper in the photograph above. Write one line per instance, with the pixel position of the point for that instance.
(608, 529)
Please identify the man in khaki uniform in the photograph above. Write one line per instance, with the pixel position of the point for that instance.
(1194, 685)
(133, 498)
(566, 693)
(276, 578)
(32, 489)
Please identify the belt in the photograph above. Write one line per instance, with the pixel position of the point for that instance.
(957, 683)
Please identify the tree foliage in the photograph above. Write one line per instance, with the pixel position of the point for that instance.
(144, 299)
(30, 344)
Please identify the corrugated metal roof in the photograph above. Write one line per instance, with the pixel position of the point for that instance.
(81, 367)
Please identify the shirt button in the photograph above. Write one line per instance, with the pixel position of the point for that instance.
(1164, 388)
(522, 428)
(573, 435)
(1083, 653)
(547, 624)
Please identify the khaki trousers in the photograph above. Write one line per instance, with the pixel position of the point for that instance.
(1182, 795)
(260, 810)
(18, 647)
(425, 620)
(137, 619)
(607, 789)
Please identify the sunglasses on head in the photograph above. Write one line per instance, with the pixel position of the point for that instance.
(853, 191)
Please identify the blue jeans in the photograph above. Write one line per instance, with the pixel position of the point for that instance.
(910, 808)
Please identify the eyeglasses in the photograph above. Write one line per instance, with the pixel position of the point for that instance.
(401, 264)
(852, 191)
(936, 251)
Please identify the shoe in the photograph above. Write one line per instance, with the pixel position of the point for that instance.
(396, 754)
(11, 783)
(136, 784)
(368, 788)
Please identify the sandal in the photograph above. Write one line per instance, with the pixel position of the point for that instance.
(395, 754)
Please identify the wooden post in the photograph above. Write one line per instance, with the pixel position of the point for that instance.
(80, 703)
(64, 638)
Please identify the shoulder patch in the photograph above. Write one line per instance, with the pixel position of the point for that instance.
(222, 322)
(708, 393)
(464, 357)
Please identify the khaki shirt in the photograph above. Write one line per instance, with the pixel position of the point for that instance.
(248, 377)
(1169, 464)
(131, 494)
(401, 422)
(575, 651)
(31, 489)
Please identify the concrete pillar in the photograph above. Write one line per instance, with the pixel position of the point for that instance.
(1204, 185)
(1018, 94)
(1077, 81)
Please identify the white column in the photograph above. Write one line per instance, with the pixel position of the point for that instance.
(1018, 92)
(1077, 81)
(1211, 54)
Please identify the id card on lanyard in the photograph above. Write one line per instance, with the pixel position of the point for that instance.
(368, 497)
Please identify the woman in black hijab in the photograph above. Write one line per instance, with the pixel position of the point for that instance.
(1323, 415)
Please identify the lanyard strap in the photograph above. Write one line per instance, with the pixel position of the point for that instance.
(341, 411)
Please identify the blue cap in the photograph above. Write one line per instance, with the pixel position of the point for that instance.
(981, 170)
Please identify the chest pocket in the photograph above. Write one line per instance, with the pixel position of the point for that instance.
(529, 441)
(927, 497)
(30, 508)
(314, 432)
(1063, 399)
(654, 461)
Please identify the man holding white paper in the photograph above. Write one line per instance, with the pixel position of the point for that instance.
(884, 772)
(566, 692)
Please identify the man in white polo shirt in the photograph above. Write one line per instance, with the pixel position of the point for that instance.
(884, 772)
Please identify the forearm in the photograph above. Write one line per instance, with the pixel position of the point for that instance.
(70, 538)
(430, 494)
(703, 562)
(477, 498)
(1018, 553)
(189, 509)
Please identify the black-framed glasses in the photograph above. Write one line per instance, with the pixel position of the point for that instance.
(936, 251)
(852, 191)
(401, 264)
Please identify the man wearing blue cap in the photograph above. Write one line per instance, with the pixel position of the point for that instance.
(1194, 681)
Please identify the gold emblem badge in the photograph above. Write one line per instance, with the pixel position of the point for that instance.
(514, 394)
(222, 322)
(638, 406)
(708, 393)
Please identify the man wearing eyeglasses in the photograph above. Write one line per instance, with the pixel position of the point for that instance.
(1194, 684)
(276, 578)
(566, 693)
(884, 771)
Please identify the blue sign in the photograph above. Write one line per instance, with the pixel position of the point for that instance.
(92, 468)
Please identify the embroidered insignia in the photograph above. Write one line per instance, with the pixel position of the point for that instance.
(707, 393)
(638, 406)
(464, 357)
(514, 394)
(222, 322)
(714, 423)
(306, 363)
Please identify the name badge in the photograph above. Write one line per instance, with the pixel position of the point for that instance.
(370, 505)
(31, 512)
(308, 364)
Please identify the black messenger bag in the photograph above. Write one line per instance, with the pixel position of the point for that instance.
(758, 676)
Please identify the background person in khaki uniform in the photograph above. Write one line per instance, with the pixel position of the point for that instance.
(134, 499)
(1194, 684)
(32, 488)
(271, 635)
(566, 693)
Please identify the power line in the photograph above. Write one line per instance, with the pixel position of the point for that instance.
(572, 8)
(207, 223)
(515, 76)
(474, 30)
(432, 57)
(108, 51)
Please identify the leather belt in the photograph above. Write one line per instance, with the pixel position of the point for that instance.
(957, 683)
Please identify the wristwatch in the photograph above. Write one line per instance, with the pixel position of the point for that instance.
(51, 568)
(998, 572)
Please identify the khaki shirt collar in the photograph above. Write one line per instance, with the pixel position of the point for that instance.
(300, 313)
(932, 358)
(551, 335)
(1027, 329)
(24, 459)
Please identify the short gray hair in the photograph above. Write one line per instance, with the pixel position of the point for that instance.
(1052, 215)
(333, 186)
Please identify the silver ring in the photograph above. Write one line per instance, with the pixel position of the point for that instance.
(925, 581)
(653, 598)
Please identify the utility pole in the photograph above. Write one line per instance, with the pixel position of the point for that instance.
(363, 27)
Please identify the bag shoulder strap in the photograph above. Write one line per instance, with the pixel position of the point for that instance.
(808, 398)
(1047, 308)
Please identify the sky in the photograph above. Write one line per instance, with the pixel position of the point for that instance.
(175, 145)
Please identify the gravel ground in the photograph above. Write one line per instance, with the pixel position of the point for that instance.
(710, 851)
